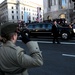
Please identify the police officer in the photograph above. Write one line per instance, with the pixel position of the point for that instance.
(13, 60)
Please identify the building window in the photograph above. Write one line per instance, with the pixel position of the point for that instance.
(13, 17)
(63, 4)
(49, 3)
(12, 8)
(60, 4)
(24, 8)
(17, 12)
(33, 18)
(70, 1)
(22, 16)
(12, 11)
(17, 17)
(21, 12)
(54, 2)
(29, 14)
(16, 7)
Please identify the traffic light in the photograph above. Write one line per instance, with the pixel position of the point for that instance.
(73, 0)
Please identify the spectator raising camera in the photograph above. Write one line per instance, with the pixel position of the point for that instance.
(13, 60)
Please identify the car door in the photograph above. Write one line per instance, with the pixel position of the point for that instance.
(49, 29)
(45, 29)
(41, 29)
(31, 28)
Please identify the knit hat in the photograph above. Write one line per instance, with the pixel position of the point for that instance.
(8, 28)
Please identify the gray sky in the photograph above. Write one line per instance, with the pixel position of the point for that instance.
(36, 1)
(1, 1)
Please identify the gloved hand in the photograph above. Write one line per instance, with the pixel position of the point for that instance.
(24, 38)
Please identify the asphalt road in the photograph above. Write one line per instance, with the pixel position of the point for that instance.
(59, 59)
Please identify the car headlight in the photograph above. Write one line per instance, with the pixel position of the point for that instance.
(74, 30)
(26, 34)
(36, 30)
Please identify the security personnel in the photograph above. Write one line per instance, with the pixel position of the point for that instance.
(13, 60)
(55, 32)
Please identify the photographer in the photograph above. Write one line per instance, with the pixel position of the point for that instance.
(13, 60)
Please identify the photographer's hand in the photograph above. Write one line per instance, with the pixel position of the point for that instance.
(24, 38)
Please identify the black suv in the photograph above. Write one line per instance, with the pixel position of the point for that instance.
(45, 29)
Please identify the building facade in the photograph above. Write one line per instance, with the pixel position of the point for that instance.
(59, 9)
(19, 10)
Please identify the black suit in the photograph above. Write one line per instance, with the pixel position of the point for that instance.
(55, 33)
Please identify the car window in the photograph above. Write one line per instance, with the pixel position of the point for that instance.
(43, 26)
(30, 26)
(37, 26)
(49, 26)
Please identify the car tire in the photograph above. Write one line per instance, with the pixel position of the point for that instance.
(65, 35)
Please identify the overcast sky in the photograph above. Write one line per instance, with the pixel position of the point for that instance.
(1, 1)
(37, 1)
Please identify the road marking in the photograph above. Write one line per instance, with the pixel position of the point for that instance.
(60, 42)
(68, 55)
(51, 42)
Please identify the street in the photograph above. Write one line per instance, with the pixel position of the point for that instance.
(59, 59)
(35, 20)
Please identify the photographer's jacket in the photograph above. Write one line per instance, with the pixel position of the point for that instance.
(13, 60)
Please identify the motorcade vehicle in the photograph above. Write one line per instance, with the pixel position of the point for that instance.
(45, 29)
